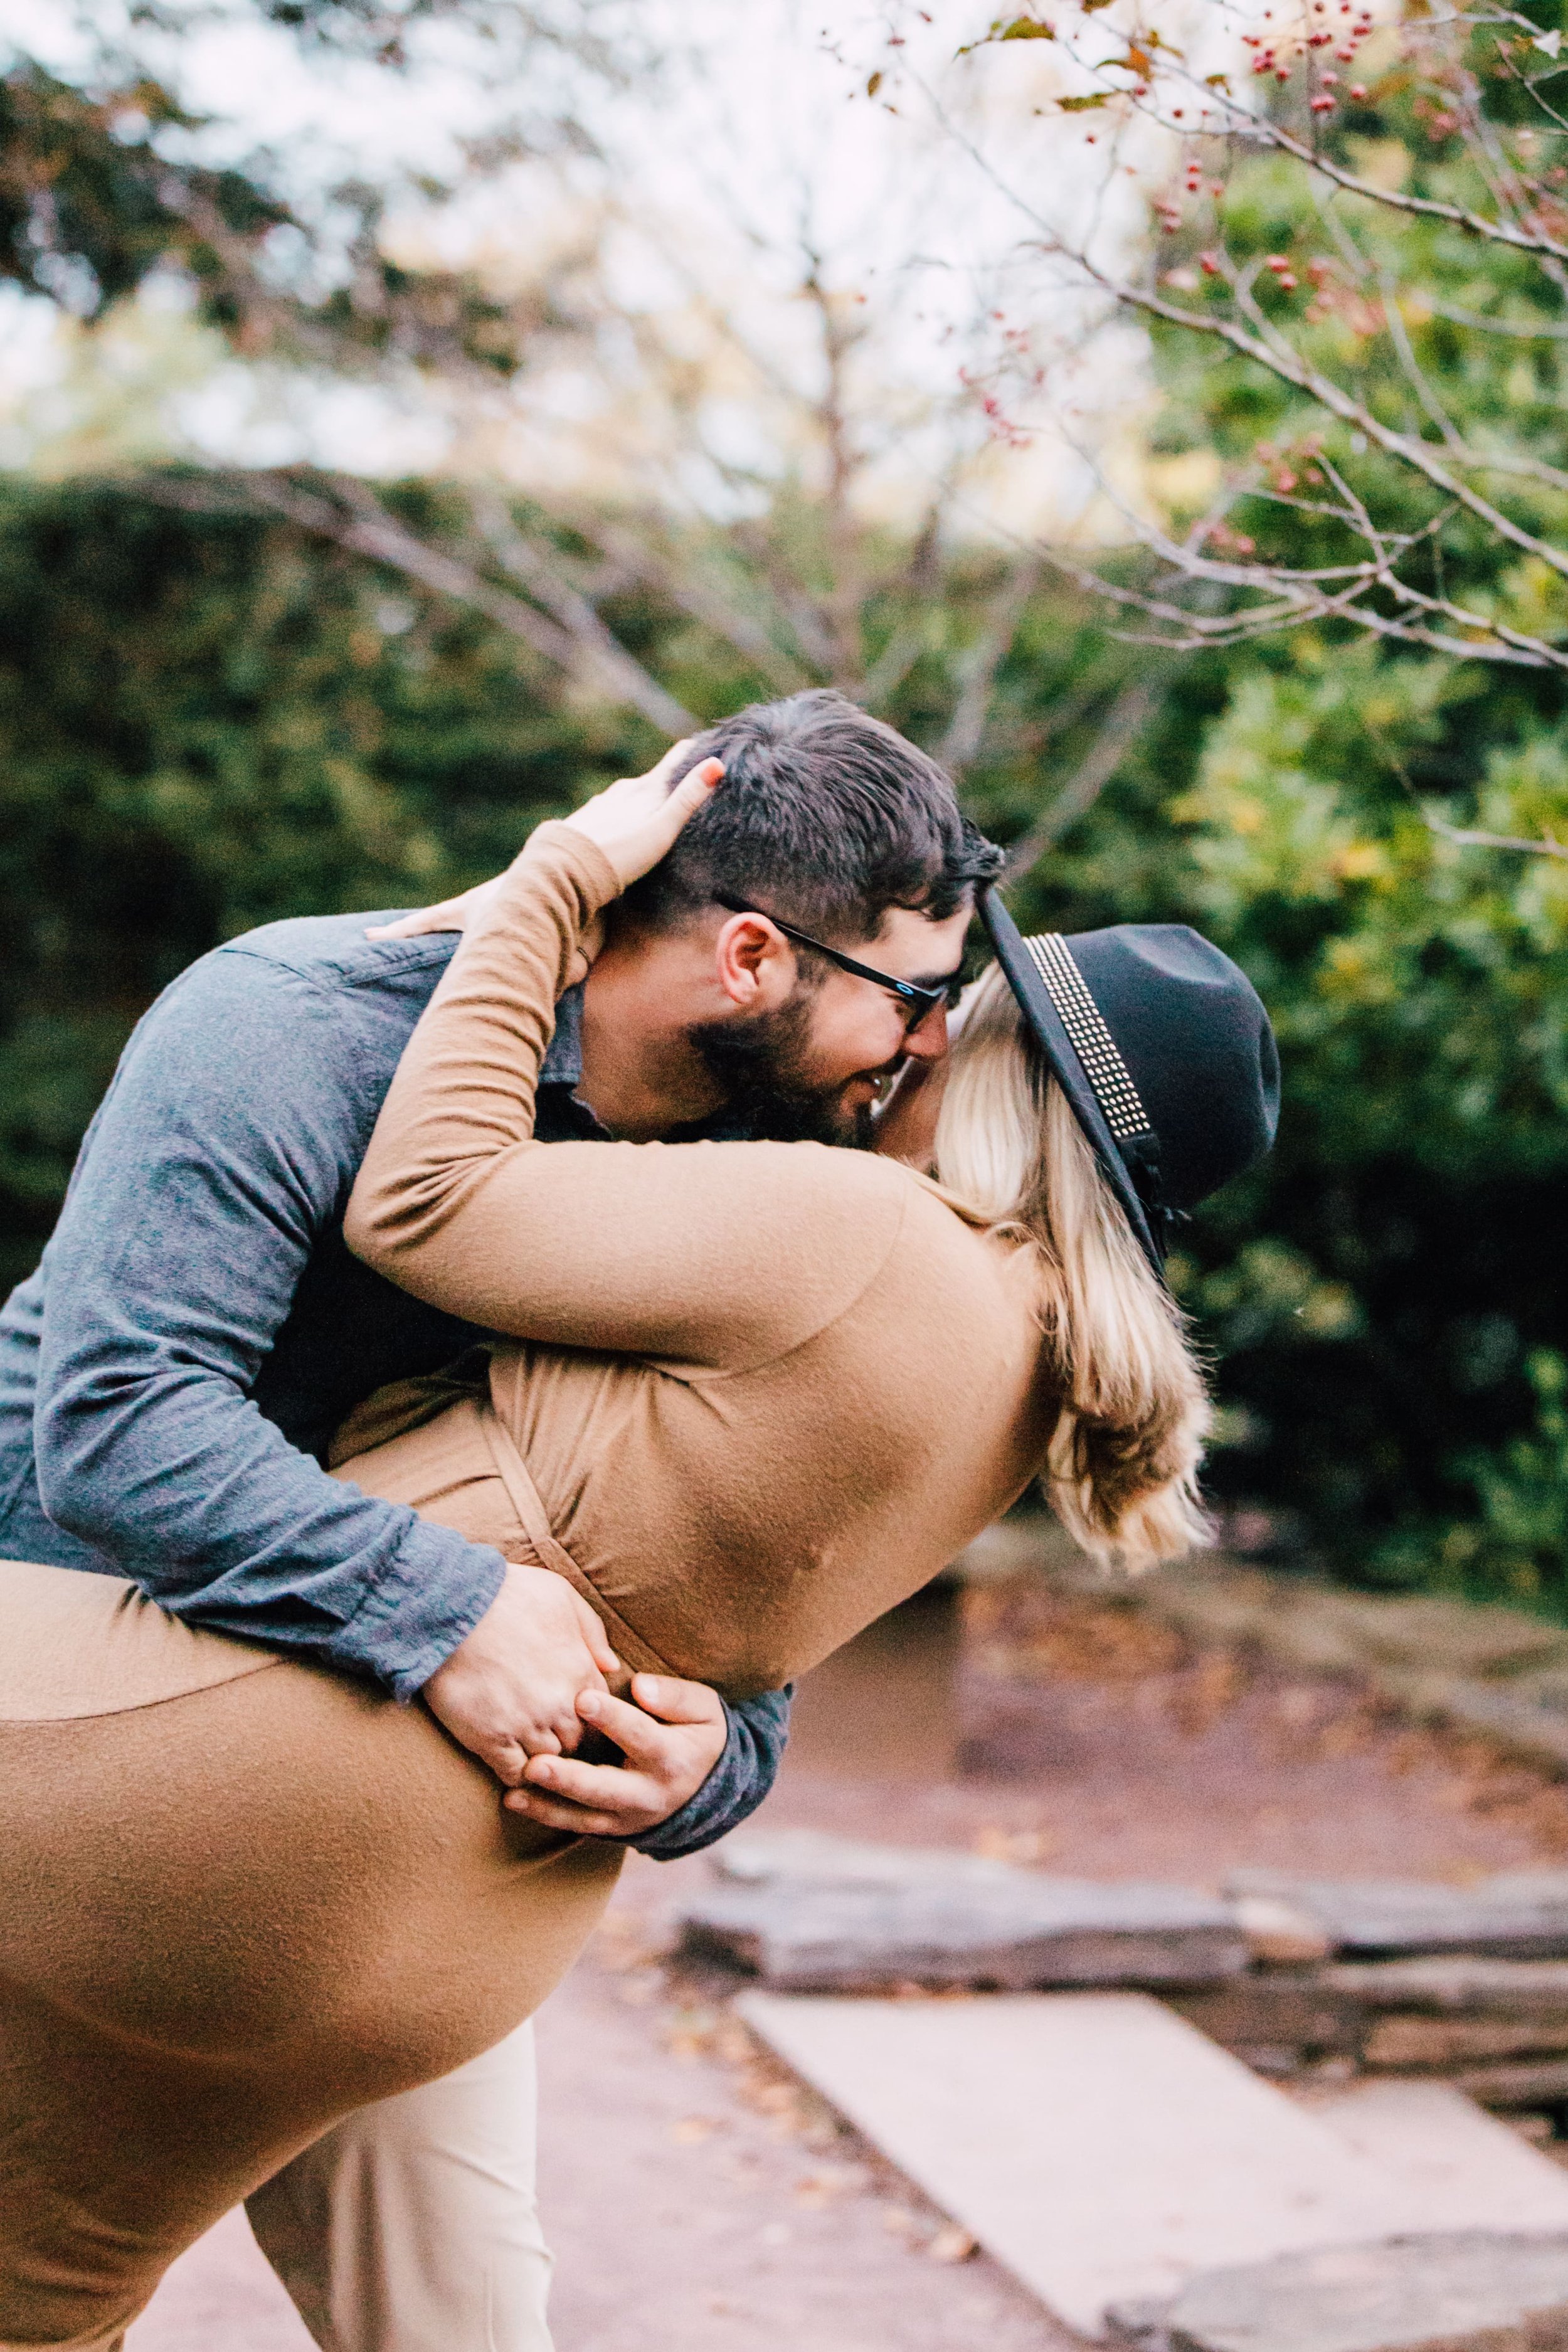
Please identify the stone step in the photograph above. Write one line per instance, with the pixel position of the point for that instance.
(1463, 2293)
(814, 1857)
(810, 1912)
(1467, 2170)
(1094, 2142)
(1519, 1914)
(1454, 1986)
(1015, 1930)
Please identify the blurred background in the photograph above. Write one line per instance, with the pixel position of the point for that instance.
(411, 417)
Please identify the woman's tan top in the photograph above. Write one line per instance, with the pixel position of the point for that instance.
(764, 1390)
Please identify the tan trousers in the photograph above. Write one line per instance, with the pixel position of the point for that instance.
(412, 2225)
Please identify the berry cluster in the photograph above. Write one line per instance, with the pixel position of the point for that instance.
(1279, 57)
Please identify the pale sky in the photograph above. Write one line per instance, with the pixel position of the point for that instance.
(756, 136)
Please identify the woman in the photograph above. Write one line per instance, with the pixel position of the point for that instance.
(752, 1395)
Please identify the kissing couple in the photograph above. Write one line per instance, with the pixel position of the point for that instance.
(480, 1364)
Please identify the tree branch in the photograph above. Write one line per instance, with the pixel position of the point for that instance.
(364, 527)
(966, 728)
(1469, 838)
(1122, 724)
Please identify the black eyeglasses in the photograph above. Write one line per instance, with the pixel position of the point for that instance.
(918, 1002)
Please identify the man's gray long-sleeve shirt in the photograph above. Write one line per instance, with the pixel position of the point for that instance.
(171, 1375)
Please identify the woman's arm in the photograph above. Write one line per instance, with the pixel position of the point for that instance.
(708, 1255)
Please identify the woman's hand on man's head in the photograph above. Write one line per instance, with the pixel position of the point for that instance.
(635, 823)
(671, 1739)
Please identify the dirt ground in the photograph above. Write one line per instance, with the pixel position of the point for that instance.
(699, 2202)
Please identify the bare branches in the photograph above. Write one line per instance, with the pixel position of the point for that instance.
(530, 561)
(571, 637)
(1122, 724)
(1419, 224)
(1283, 360)
(1263, 131)
(966, 728)
(1467, 837)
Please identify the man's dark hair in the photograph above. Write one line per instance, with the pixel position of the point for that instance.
(825, 817)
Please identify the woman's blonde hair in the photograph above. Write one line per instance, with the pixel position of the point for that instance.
(1121, 1469)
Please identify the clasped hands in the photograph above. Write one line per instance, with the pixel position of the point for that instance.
(521, 1689)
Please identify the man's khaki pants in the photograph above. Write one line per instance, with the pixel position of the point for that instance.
(413, 2226)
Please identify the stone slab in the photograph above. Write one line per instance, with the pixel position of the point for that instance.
(1527, 1715)
(815, 1858)
(1094, 2142)
(1464, 2293)
(1467, 2170)
(1278, 1933)
(1529, 2082)
(1521, 1915)
(1012, 1932)
(1300, 1622)
(1454, 1986)
(1289, 2012)
(1436, 2043)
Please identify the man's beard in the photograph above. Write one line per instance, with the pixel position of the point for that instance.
(760, 1064)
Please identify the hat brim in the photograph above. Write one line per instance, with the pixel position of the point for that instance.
(1049, 1035)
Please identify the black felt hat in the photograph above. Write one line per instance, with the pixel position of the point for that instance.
(1162, 1048)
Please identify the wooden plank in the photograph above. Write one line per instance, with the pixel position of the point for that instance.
(1093, 2142)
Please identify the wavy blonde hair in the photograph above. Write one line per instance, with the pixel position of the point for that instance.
(1123, 1466)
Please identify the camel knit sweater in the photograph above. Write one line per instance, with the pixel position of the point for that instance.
(764, 1390)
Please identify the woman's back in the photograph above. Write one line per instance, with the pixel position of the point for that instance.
(739, 1507)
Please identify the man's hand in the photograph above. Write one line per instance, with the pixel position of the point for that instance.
(635, 823)
(512, 1689)
(671, 1740)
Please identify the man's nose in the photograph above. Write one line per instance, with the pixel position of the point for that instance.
(927, 1041)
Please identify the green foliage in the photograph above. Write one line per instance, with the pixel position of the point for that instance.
(1518, 1544)
(99, 192)
(1523, 1494)
(208, 723)
(88, 206)
(1388, 1344)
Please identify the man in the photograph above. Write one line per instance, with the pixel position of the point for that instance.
(171, 1377)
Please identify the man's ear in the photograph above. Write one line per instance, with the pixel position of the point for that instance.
(753, 964)
(588, 946)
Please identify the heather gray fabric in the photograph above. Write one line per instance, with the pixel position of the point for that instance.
(171, 1374)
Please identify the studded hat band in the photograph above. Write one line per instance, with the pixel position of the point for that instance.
(1092, 1041)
